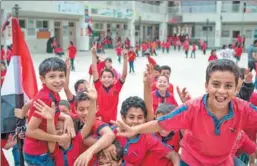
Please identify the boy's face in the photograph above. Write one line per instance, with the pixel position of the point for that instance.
(81, 88)
(103, 161)
(166, 73)
(2, 67)
(134, 117)
(163, 133)
(54, 80)
(60, 127)
(162, 83)
(221, 88)
(156, 73)
(82, 110)
(108, 64)
(64, 109)
(107, 79)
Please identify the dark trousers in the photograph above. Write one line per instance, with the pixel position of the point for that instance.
(193, 52)
(131, 67)
(251, 65)
(163, 49)
(204, 51)
(168, 50)
(119, 58)
(137, 52)
(72, 64)
(186, 52)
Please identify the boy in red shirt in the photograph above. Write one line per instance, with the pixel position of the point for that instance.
(193, 50)
(144, 48)
(100, 66)
(213, 56)
(186, 47)
(9, 54)
(131, 59)
(137, 48)
(238, 50)
(52, 73)
(204, 46)
(72, 53)
(212, 143)
(167, 46)
(118, 52)
(107, 89)
(2, 53)
(163, 45)
(58, 51)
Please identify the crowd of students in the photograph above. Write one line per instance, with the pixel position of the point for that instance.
(215, 129)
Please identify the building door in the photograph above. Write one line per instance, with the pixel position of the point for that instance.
(72, 32)
(58, 33)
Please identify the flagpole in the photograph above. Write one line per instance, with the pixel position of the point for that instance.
(20, 123)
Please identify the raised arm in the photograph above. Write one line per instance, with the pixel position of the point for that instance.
(147, 93)
(94, 63)
(125, 66)
(67, 90)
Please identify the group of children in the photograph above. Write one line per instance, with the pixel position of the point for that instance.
(214, 129)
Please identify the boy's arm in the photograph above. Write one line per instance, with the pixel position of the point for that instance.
(174, 157)
(246, 91)
(94, 64)
(67, 91)
(125, 66)
(68, 124)
(21, 113)
(51, 130)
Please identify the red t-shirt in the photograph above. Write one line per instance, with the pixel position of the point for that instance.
(100, 67)
(118, 51)
(68, 156)
(58, 50)
(33, 146)
(131, 56)
(107, 100)
(205, 142)
(167, 44)
(158, 99)
(172, 140)
(163, 44)
(212, 57)
(4, 161)
(137, 47)
(204, 46)
(144, 47)
(239, 51)
(136, 149)
(2, 54)
(72, 51)
(9, 54)
(186, 46)
(193, 47)
(170, 87)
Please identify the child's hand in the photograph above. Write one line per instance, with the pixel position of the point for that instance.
(69, 126)
(90, 91)
(248, 76)
(110, 152)
(44, 110)
(183, 95)
(94, 48)
(64, 139)
(124, 130)
(12, 140)
(147, 78)
(125, 54)
(67, 62)
(84, 158)
(18, 113)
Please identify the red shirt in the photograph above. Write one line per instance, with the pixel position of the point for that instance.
(2, 54)
(33, 146)
(186, 46)
(163, 44)
(137, 47)
(58, 50)
(170, 87)
(172, 140)
(208, 141)
(204, 46)
(9, 54)
(131, 56)
(72, 51)
(157, 99)
(107, 100)
(136, 149)
(68, 156)
(4, 161)
(100, 67)
(118, 51)
(193, 47)
(239, 51)
(212, 57)
(167, 44)
(151, 61)
(144, 47)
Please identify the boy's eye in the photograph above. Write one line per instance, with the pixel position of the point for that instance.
(216, 84)
(228, 86)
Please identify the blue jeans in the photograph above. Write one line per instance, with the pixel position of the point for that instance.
(131, 67)
(238, 162)
(16, 155)
(42, 160)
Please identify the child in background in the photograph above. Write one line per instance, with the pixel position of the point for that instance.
(108, 65)
(178, 43)
(233, 115)
(238, 52)
(163, 45)
(72, 53)
(167, 46)
(64, 107)
(58, 51)
(144, 48)
(137, 48)
(186, 47)
(118, 52)
(2, 53)
(193, 50)
(213, 56)
(131, 59)
(150, 59)
(204, 47)
(9, 54)
(3, 72)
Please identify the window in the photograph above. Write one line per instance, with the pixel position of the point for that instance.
(98, 26)
(225, 33)
(248, 33)
(31, 31)
(137, 27)
(57, 24)
(94, 11)
(117, 26)
(22, 23)
(71, 24)
(45, 24)
(235, 33)
(31, 23)
(125, 27)
(42, 24)
(39, 24)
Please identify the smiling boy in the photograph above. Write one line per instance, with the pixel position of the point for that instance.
(213, 121)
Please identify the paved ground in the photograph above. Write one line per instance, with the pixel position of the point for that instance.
(188, 73)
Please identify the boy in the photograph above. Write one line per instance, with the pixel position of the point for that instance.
(72, 53)
(118, 52)
(107, 89)
(211, 144)
(193, 50)
(131, 60)
(52, 73)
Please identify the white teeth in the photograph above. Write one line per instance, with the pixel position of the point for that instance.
(220, 99)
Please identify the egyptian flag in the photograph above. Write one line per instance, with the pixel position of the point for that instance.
(20, 81)
(90, 26)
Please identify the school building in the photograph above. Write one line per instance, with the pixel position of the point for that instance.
(214, 21)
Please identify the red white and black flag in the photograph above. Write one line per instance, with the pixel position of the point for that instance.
(20, 81)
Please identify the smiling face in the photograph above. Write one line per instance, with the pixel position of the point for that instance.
(162, 83)
(221, 88)
(134, 117)
(82, 110)
(107, 79)
(54, 80)
(81, 88)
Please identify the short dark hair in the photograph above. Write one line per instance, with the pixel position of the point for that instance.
(133, 102)
(222, 65)
(77, 83)
(2, 46)
(157, 68)
(107, 70)
(71, 42)
(65, 103)
(165, 108)
(119, 151)
(3, 63)
(52, 64)
(224, 46)
(81, 96)
(165, 67)
(108, 59)
(255, 41)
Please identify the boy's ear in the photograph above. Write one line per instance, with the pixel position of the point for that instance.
(42, 79)
(206, 87)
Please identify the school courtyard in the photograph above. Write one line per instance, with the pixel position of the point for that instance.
(189, 73)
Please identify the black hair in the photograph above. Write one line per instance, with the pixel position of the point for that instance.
(165, 108)
(224, 46)
(213, 50)
(242, 73)
(2, 46)
(119, 151)
(81, 96)
(3, 63)
(108, 59)
(165, 67)
(255, 41)
(157, 68)
(71, 42)
(52, 64)
(65, 103)
(107, 70)
(230, 46)
(133, 102)
(77, 83)
(222, 65)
